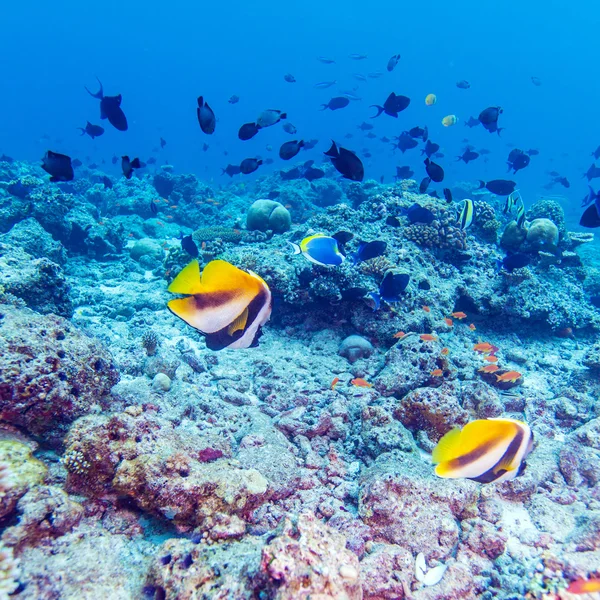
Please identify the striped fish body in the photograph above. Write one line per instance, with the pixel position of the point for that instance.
(465, 218)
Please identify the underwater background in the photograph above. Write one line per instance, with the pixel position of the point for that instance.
(299, 301)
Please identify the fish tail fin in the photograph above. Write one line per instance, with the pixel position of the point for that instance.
(301, 144)
(283, 116)
(324, 106)
(380, 109)
(82, 130)
(296, 248)
(481, 184)
(333, 151)
(99, 94)
(499, 130)
(135, 163)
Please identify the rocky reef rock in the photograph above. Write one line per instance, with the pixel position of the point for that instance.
(303, 559)
(542, 233)
(50, 372)
(31, 237)
(169, 471)
(268, 214)
(354, 347)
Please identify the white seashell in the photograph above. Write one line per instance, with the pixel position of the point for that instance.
(434, 575)
(420, 567)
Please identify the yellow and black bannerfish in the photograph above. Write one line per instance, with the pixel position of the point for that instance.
(465, 218)
(228, 305)
(486, 451)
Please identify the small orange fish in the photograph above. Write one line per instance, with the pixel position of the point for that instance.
(565, 332)
(489, 369)
(426, 309)
(174, 206)
(449, 322)
(584, 586)
(472, 327)
(445, 352)
(437, 372)
(491, 358)
(287, 206)
(399, 335)
(168, 217)
(485, 348)
(511, 376)
(459, 315)
(428, 337)
(360, 382)
(335, 381)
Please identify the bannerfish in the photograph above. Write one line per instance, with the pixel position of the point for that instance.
(346, 162)
(419, 214)
(391, 289)
(392, 62)
(405, 142)
(320, 249)
(269, 117)
(289, 149)
(110, 108)
(500, 187)
(336, 103)
(227, 305)
(206, 116)
(468, 155)
(58, 166)
(231, 170)
(404, 173)
(465, 217)
(247, 131)
(127, 166)
(463, 84)
(392, 106)
(93, 131)
(486, 451)
(367, 251)
(434, 170)
(249, 165)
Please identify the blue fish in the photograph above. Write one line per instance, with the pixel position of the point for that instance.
(321, 250)
(419, 214)
(368, 250)
(391, 289)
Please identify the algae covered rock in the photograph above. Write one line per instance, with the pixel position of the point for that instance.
(146, 247)
(19, 472)
(354, 347)
(268, 214)
(50, 372)
(513, 237)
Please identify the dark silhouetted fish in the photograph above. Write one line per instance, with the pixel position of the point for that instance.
(114, 160)
(404, 172)
(188, 245)
(514, 261)
(468, 155)
(127, 166)
(249, 165)
(592, 173)
(234, 99)
(153, 208)
(76, 163)
(206, 116)
(430, 148)
(365, 126)
(463, 84)
(231, 170)
(392, 106)
(472, 122)
(489, 119)
(312, 173)
(346, 162)
(591, 216)
(405, 142)
(163, 143)
(248, 131)
(289, 149)
(536, 81)
(419, 132)
(391, 289)
(419, 214)
(517, 160)
(448, 195)
(391, 65)
(563, 181)
(151, 160)
(310, 144)
(596, 153)
(93, 131)
(58, 166)
(532, 152)
(367, 251)
(291, 174)
(424, 184)
(289, 128)
(591, 197)
(434, 171)
(289, 78)
(336, 103)
(500, 187)
(110, 108)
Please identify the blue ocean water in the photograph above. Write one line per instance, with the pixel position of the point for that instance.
(161, 57)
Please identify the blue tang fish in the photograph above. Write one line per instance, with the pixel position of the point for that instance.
(321, 250)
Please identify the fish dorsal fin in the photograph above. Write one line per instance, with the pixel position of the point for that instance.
(476, 434)
(239, 323)
(219, 275)
(188, 281)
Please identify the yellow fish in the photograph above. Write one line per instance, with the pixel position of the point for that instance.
(449, 120)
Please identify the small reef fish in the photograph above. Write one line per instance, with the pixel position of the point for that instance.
(491, 358)
(449, 120)
(426, 309)
(249, 165)
(335, 381)
(391, 288)
(227, 305)
(584, 586)
(434, 171)
(360, 382)
(58, 166)
(485, 348)
(336, 103)
(430, 99)
(93, 131)
(392, 62)
(247, 131)
(486, 451)
(444, 352)
(459, 315)
(428, 337)
(511, 376)
(465, 217)
(449, 322)
(127, 166)
(269, 117)
(368, 251)
(437, 373)
(110, 108)
(392, 106)
(320, 249)
(489, 369)
(289, 149)
(463, 84)
(399, 335)
(346, 162)
(472, 327)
